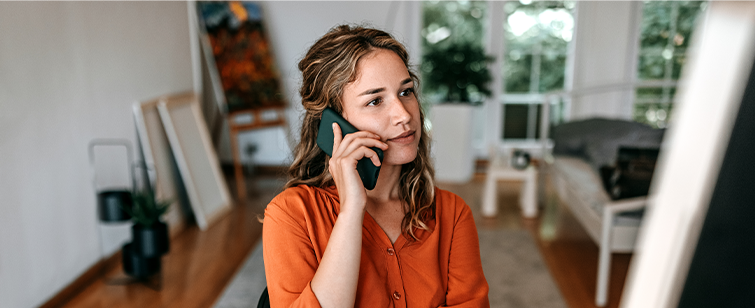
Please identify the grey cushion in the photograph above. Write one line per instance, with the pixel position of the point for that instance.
(598, 140)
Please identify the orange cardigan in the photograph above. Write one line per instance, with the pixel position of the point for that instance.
(442, 269)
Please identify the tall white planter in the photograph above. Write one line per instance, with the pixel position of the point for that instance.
(452, 136)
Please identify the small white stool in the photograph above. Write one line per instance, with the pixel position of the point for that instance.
(500, 169)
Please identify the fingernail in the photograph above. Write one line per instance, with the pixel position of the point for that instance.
(333, 125)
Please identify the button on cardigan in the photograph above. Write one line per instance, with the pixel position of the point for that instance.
(442, 269)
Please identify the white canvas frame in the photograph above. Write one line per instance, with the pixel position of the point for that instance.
(197, 161)
(158, 158)
(713, 84)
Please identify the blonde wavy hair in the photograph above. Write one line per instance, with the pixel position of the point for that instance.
(329, 65)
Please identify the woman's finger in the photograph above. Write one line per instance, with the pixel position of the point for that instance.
(350, 147)
(352, 141)
(337, 137)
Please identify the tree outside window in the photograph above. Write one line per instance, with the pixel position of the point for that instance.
(665, 34)
(447, 24)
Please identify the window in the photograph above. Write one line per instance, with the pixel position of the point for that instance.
(446, 24)
(536, 42)
(536, 36)
(664, 38)
(536, 50)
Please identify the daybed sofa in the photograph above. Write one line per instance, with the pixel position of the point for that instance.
(580, 149)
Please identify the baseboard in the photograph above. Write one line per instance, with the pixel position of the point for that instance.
(95, 272)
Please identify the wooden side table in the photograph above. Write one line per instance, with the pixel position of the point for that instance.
(239, 121)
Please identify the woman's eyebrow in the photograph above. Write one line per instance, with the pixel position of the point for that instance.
(372, 91)
(378, 90)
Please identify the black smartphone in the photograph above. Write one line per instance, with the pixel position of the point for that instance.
(368, 172)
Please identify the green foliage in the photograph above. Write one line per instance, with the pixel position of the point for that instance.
(666, 29)
(458, 70)
(446, 24)
(146, 210)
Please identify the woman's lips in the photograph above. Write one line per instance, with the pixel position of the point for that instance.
(404, 138)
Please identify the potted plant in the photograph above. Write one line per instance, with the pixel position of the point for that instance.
(149, 233)
(459, 74)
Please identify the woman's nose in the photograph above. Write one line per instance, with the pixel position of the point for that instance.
(399, 114)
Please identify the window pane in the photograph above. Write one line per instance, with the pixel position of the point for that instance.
(536, 37)
(686, 23)
(693, 3)
(656, 24)
(651, 66)
(517, 67)
(656, 115)
(666, 31)
(447, 24)
(649, 95)
(553, 69)
(515, 121)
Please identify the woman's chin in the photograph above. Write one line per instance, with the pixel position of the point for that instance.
(399, 158)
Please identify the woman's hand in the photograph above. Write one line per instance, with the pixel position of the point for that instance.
(347, 151)
(335, 282)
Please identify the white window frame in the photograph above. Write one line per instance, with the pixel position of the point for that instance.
(494, 106)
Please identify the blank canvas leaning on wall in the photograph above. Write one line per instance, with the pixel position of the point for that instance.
(196, 158)
(159, 160)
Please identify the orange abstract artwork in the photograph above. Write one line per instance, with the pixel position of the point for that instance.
(242, 55)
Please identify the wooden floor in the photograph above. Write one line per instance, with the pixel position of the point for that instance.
(568, 251)
(572, 256)
(201, 264)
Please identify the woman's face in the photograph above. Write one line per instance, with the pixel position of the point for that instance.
(382, 101)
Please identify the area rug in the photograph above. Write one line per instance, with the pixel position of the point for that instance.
(515, 271)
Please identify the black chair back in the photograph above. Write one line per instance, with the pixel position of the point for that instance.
(264, 300)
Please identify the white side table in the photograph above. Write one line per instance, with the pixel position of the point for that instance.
(500, 169)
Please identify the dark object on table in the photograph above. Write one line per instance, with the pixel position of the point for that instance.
(631, 175)
(520, 159)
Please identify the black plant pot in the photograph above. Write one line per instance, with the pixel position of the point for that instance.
(150, 241)
(110, 204)
(139, 266)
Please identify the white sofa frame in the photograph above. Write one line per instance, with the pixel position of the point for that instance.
(612, 236)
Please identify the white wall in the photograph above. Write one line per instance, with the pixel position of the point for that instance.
(69, 72)
(293, 26)
(606, 37)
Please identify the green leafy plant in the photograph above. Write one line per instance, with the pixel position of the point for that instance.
(458, 70)
(146, 210)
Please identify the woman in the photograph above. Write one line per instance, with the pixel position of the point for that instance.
(327, 241)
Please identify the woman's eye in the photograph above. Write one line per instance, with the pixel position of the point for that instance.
(375, 102)
(406, 92)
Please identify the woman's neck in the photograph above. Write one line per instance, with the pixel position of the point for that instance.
(386, 188)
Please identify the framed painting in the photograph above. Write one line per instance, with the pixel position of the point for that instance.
(241, 52)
